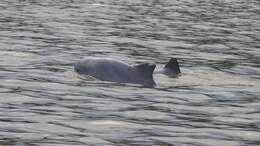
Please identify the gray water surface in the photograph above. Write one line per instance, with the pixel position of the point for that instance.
(215, 102)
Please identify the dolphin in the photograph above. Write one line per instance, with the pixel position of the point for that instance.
(106, 69)
(171, 69)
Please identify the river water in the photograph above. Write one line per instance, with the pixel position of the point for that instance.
(216, 100)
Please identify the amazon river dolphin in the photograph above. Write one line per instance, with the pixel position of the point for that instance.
(106, 69)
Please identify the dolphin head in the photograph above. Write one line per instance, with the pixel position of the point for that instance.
(82, 67)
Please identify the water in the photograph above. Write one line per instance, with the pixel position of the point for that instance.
(215, 102)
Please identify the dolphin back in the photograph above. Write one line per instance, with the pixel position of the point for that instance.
(116, 71)
(145, 72)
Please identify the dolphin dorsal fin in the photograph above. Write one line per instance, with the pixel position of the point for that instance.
(173, 65)
(145, 68)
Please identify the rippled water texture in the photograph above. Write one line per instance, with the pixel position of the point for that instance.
(215, 102)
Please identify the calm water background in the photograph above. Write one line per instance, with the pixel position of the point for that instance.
(215, 102)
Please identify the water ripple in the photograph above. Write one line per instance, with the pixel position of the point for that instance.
(214, 102)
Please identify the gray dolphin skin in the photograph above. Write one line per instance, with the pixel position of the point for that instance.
(116, 71)
(171, 69)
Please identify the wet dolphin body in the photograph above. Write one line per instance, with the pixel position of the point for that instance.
(116, 71)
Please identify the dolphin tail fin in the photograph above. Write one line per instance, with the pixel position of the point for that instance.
(146, 70)
(173, 65)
